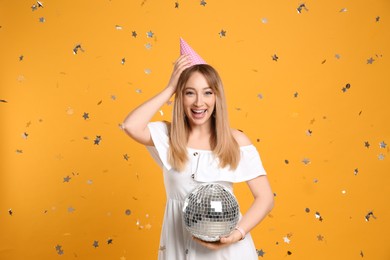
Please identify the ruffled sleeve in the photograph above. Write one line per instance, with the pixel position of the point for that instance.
(159, 135)
(250, 167)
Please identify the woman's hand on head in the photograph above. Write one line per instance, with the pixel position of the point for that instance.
(183, 62)
(234, 237)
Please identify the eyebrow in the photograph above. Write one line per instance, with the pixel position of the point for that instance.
(194, 88)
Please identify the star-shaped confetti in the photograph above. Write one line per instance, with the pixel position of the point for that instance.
(134, 34)
(71, 209)
(42, 19)
(366, 144)
(382, 145)
(86, 115)
(370, 60)
(10, 212)
(118, 27)
(148, 46)
(176, 4)
(67, 179)
(286, 240)
(147, 71)
(320, 237)
(25, 135)
(381, 157)
(150, 34)
(21, 57)
(123, 61)
(260, 96)
(126, 157)
(109, 241)
(306, 161)
(95, 244)
(260, 252)
(337, 56)
(222, 33)
(377, 19)
(309, 132)
(356, 171)
(264, 20)
(59, 250)
(343, 10)
(203, 3)
(97, 140)
(295, 94)
(275, 57)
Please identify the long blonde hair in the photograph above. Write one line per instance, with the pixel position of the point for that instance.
(222, 142)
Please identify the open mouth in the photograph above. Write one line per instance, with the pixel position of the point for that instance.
(198, 113)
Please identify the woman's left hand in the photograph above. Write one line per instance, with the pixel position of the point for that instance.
(234, 237)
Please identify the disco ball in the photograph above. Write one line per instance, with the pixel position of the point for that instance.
(210, 212)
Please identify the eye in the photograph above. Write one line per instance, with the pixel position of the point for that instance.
(189, 93)
(208, 93)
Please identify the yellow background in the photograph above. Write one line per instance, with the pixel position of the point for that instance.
(44, 137)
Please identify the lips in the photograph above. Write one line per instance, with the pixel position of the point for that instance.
(198, 113)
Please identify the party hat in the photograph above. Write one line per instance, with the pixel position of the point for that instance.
(186, 49)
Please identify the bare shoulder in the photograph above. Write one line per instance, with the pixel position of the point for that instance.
(241, 138)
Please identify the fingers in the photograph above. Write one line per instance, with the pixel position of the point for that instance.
(183, 62)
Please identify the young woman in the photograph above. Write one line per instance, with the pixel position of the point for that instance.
(200, 147)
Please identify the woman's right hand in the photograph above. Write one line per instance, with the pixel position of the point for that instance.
(182, 63)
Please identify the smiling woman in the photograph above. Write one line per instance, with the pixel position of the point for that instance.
(200, 147)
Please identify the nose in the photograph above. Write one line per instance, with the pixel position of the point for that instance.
(199, 100)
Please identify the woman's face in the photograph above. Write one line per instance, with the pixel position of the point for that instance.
(198, 100)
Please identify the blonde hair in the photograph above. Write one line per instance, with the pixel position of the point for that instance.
(222, 142)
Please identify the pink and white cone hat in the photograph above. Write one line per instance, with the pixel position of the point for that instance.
(186, 49)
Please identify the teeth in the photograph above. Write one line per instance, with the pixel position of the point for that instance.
(199, 111)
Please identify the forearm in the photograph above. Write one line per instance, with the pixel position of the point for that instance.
(138, 119)
(256, 213)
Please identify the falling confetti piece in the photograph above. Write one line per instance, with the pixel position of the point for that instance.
(301, 7)
(67, 179)
(147, 71)
(222, 33)
(264, 20)
(381, 157)
(126, 157)
(100, 102)
(113, 97)
(77, 48)
(139, 91)
(3, 101)
(24, 135)
(260, 96)
(295, 94)
(320, 237)
(95, 244)
(366, 144)
(70, 111)
(344, 192)
(161, 112)
(260, 252)
(306, 161)
(286, 240)
(318, 216)
(176, 4)
(309, 132)
(347, 86)
(59, 250)
(118, 27)
(42, 19)
(19, 151)
(361, 253)
(134, 34)
(275, 57)
(289, 253)
(370, 60)
(377, 19)
(307, 210)
(123, 61)
(286, 162)
(382, 144)
(128, 212)
(97, 140)
(356, 171)
(323, 62)
(86, 116)
(109, 241)
(337, 56)
(150, 34)
(148, 46)
(10, 212)
(369, 215)
(203, 3)
(343, 10)
(71, 209)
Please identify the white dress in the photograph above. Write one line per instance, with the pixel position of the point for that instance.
(175, 241)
